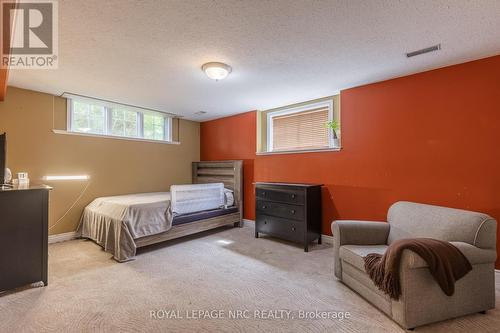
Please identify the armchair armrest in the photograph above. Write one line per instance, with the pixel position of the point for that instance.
(356, 233)
(360, 232)
(474, 254)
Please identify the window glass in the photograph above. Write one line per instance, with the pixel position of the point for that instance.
(154, 127)
(124, 123)
(87, 118)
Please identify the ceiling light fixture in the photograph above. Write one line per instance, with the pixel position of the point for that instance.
(216, 70)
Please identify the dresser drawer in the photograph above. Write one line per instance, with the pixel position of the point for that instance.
(287, 229)
(279, 209)
(286, 195)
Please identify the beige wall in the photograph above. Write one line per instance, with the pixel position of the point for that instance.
(262, 120)
(115, 166)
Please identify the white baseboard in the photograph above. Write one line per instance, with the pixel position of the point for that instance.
(248, 221)
(327, 239)
(324, 238)
(62, 237)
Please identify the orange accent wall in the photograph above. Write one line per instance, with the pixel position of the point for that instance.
(233, 138)
(432, 137)
(4, 71)
(4, 74)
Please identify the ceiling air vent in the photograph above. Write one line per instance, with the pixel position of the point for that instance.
(199, 113)
(422, 51)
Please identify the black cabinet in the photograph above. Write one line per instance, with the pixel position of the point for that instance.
(23, 236)
(289, 211)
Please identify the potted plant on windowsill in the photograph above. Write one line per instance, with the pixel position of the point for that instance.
(334, 126)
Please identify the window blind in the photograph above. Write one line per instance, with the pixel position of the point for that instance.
(302, 130)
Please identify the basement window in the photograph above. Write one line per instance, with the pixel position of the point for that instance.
(301, 128)
(94, 117)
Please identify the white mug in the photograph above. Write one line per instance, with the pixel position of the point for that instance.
(22, 175)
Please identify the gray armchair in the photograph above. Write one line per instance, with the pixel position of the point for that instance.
(422, 301)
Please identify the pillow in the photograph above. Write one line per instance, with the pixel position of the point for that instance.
(228, 197)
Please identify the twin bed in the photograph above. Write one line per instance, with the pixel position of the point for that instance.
(121, 224)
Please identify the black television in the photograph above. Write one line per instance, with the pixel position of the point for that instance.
(3, 156)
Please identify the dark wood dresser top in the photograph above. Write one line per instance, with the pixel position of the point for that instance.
(25, 188)
(288, 184)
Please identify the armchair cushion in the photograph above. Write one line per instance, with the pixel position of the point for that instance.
(353, 254)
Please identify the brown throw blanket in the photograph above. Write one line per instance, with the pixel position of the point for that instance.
(446, 264)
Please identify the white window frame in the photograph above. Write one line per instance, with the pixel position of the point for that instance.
(108, 107)
(168, 129)
(299, 109)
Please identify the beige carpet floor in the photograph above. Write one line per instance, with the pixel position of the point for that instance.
(209, 274)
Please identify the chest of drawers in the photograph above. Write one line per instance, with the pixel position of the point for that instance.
(289, 211)
(23, 236)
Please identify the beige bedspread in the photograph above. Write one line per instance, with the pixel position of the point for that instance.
(114, 222)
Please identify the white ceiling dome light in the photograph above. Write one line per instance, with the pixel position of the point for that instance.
(216, 70)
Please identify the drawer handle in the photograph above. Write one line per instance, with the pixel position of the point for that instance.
(293, 196)
(293, 229)
(292, 211)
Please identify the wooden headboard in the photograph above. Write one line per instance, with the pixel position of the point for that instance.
(228, 172)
